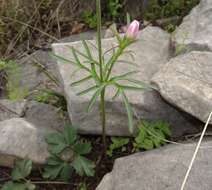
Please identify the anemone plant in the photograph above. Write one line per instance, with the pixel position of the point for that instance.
(100, 71)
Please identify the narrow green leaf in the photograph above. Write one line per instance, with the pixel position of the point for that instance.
(78, 61)
(128, 87)
(87, 49)
(62, 59)
(94, 97)
(129, 112)
(81, 81)
(87, 90)
(141, 84)
(116, 94)
(123, 76)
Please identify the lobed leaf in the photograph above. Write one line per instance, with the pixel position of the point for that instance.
(70, 135)
(83, 166)
(82, 148)
(22, 169)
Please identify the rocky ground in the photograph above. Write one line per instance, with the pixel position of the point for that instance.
(177, 65)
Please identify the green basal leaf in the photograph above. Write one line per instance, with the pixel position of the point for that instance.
(81, 81)
(30, 186)
(57, 148)
(52, 172)
(117, 142)
(70, 135)
(55, 138)
(82, 148)
(147, 144)
(53, 161)
(66, 172)
(87, 90)
(56, 142)
(83, 166)
(22, 169)
(17, 186)
(129, 112)
(151, 134)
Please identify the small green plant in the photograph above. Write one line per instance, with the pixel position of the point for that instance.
(117, 143)
(67, 155)
(151, 135)
(13, 76)
(51, 97)
(90, 19)
(19, 176)
(100, 71)
(82, 186)
(114, 8)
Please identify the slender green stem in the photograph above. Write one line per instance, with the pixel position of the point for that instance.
(103, 119)
(102, 101)
(99, 32)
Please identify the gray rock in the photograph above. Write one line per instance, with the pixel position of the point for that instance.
(39, 114)
(151, 52)
(196, 29)
(161, 169)
(45, 116)
(38, 71)
(21, 139)
(186, 82)
(10, 109)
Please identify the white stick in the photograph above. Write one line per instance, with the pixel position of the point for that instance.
(195, 152)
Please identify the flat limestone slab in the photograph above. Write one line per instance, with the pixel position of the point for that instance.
(162, 169)
(186, 82)
(151, 51)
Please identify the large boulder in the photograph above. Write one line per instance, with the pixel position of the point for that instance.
(21, 139)
(196, 29)
(161, 169)
(186, 82)
(151, 52)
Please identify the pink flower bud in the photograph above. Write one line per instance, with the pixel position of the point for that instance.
(133, 29)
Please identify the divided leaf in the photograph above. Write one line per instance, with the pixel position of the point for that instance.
(83, 166)
(22, 169)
